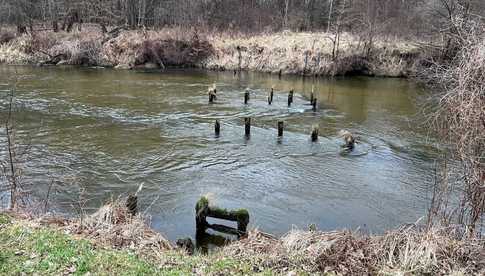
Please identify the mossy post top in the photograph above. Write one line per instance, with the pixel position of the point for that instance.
(204, 210)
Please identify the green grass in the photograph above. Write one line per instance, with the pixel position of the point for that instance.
(44, 251)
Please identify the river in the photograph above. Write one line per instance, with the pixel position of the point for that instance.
(99, 133)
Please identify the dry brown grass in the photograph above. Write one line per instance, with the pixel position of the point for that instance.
(406, 251)
(111, 226)
(288, 52)
(460, 121)
(91, 47)
(163, 48)
(114, 226)
(311, 54)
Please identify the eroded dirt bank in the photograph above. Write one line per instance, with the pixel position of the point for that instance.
(279, 53)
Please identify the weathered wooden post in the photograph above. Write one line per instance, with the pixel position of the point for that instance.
(270, 96)
(203, 210)
(312, 96)
(212, 96)
(247, 126)
(246, 96)
(314, 104)
(281, 126)
(314, 134)
(217, 128)
(131, 204)
(290, 97)
(349, 139)
(212, 93)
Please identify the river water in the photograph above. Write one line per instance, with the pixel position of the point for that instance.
(99, 133)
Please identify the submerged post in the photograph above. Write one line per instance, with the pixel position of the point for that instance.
(314, 104)
(246, 96)
(217, 128)
(270, 96)
(281, 125)
(212, 96)
(312, 96)
(212, 93)
(247, 126)
(290, 97)
(314, 134)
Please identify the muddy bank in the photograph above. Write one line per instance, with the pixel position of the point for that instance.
(281, 53)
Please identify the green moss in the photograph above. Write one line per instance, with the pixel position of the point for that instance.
(242, 215)
(202, 203)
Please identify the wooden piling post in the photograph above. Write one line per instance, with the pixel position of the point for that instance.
(203, 210)
(314, 134)
(270, 96)
(212, 93)
(314, 104)
(212, 97)
(290, 97)
(312, 96)
(246, 96)
(217, 128)
(281, 126)
(247, 126)
(131, 204)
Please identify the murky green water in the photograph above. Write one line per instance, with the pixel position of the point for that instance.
(105, 132)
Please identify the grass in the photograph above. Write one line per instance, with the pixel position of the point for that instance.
(311, 54)
(45, 251)
(113, 242)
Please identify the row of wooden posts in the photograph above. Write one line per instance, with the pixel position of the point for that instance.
(247, 129)
(247, 120)
(313, 99)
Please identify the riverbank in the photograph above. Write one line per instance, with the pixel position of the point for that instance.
(279, 53)
(112, 242)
